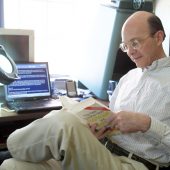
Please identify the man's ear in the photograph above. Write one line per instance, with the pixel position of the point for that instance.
(159, 35)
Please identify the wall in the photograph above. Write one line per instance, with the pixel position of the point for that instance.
(162, 10)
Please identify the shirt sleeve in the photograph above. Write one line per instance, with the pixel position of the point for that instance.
(159, 132)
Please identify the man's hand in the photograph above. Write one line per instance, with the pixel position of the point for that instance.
(129, 122)
(98, 133)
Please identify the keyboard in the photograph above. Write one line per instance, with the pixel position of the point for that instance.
(32, 105)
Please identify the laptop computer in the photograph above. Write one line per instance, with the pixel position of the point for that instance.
(32, 91)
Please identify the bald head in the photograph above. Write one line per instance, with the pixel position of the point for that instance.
(142, 37)
(138, 17)
(137, 22)
(142, 22)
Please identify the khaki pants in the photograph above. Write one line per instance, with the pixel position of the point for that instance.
(43, 143)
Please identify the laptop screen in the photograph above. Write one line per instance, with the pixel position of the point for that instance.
(34, 82)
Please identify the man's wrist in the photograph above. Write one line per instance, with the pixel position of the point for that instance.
(147, 124)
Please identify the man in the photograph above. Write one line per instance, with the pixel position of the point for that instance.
(141, 111)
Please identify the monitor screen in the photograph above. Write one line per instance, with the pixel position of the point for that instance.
(18, 43)
(34, 82)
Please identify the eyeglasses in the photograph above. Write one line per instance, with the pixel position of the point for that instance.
(134, 44)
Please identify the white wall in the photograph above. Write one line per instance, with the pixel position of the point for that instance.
(162, 10)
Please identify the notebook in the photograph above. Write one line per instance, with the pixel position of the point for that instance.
(32, 91)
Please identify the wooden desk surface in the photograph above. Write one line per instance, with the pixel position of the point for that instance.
(10, 121)
(6, 116)
(13, 116)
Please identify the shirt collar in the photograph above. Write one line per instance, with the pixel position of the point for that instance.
(162, 62)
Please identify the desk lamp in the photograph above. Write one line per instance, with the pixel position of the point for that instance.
(8, 70)
(8, 74)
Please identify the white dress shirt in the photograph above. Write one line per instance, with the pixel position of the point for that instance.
(146, 91)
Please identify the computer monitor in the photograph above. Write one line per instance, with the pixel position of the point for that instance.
(18, 43)
(33, 82)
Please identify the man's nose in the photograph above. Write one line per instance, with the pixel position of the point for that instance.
(130, 51)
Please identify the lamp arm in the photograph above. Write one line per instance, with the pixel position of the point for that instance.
(5, 77)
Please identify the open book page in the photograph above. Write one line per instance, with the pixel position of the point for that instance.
(89, 111)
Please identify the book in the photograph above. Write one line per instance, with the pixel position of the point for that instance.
(89, 111)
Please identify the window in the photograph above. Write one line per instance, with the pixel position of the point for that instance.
(60, 27)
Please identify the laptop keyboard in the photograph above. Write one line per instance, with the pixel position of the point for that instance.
(49, 104)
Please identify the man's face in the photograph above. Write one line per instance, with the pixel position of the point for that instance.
(140, 47)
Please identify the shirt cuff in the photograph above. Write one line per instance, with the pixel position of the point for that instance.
(157, 129)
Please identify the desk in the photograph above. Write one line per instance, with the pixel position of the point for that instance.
(10, 121)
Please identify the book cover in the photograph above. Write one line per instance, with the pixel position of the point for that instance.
(89, 111)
